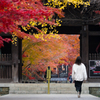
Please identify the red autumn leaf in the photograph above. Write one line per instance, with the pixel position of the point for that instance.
(21, 12)
(2, 40)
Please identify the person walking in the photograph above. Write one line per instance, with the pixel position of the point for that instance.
(70, 78)
(79, 74)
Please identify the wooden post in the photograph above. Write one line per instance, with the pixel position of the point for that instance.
(20, 58)
(84, 45)
(15, 61)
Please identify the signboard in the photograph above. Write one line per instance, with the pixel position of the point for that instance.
(59, 79)
(63, 71)
(94, 68)
(62, 74)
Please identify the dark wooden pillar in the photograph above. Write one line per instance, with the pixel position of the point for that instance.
(20, 58)
(15, 60)
(84, 45)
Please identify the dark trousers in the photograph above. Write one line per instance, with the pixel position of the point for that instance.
(78, 85)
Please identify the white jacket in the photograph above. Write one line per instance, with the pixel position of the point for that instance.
(79, 72)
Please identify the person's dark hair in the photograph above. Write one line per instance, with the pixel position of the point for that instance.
(48, 67)
(78, 60)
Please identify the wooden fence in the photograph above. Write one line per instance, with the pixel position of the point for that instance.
(5, 57)
(5, 71)
(94, 56)
(5, 67)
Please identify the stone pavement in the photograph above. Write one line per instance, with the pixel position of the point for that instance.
(48, 97)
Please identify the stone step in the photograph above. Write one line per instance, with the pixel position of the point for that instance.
(42, 88)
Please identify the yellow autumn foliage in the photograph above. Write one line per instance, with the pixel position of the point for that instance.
(62, 4)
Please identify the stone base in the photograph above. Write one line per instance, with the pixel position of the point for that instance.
(94, 91)
(4, 90)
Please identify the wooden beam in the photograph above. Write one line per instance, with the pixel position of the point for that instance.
(94, 79)
(92, 33)
(71, 22)
(3, 34)
(5, 80)
(79, 22)
(5, 62)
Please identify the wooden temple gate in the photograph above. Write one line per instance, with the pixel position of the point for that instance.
(10, 61)
(84, 22)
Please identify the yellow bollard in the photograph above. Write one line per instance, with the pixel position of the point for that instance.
(48, 78)
(48, 86)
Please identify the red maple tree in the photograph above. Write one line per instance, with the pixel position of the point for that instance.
(20, 12)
